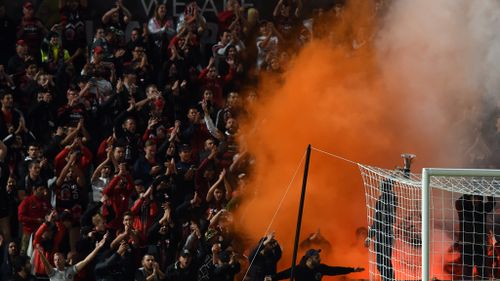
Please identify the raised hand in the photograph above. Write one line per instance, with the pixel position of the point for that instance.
(222, 174)
(269, 237)
(101, 243)
(196, 199)
(148, 192)
(131, 106)
(122, 248)
(359, 269)
(51, 216)
(119, 85)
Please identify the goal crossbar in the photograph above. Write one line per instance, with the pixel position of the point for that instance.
(427, 173)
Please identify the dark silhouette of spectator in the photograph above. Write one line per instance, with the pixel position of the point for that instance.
(9, 251)
(22, 269)
(472, 215)
(16, 63)
(72, 27)
(311, 268)
(382, 229)
(264, 258)
(11, 119)
(6, 195)
(224, 264)
(41, 118)
(117, 18)
(316, 239)
(7, 35)
(117, 266)
(185, 269)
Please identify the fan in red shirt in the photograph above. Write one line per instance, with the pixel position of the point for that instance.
(210, 79)
(31, 213)
(83, 160)
(229, 15)
(144, 211)
(117, 194)
(49, 239)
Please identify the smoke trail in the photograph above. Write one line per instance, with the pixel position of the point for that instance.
(420, 86)
(441, 57)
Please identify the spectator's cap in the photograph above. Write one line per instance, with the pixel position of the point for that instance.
(21, 42)
(28, 5)
(138, 182)
(312, 252)
(186, 253)
(185, 147)
(98, 50)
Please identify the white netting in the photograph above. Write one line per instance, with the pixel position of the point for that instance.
(393, 202)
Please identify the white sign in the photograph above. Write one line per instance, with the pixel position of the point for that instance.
(177, 6)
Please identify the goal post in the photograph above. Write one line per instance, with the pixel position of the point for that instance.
(443, 224)
(427, 173)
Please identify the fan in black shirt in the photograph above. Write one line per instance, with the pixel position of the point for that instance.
(310, 268)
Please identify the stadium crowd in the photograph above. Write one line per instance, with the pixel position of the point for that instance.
(119, 156)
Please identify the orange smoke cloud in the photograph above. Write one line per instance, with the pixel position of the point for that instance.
(344, 101)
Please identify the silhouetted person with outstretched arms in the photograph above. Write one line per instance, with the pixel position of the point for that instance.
(382, 229)
(310, 268)
(472, 215)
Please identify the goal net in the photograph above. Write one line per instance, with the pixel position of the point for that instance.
(463, 227)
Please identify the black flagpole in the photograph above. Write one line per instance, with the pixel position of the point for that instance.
(301, 208)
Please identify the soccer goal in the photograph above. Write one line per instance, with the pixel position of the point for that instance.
(441, 225)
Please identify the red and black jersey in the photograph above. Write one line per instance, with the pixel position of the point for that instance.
(32, 32)
(73, 23)
(69, 197)
(118, 192)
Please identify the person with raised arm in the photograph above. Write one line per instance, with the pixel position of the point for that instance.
(310, 268)
(63, 273)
